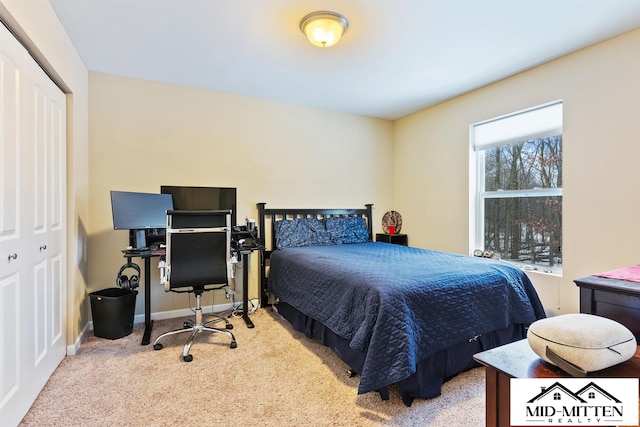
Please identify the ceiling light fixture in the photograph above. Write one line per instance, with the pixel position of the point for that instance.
(324, 28)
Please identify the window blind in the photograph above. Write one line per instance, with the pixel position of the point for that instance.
(526, 125)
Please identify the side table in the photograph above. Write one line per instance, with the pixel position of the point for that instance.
(397, 239)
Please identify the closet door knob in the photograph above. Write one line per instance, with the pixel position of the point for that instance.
(43, 247)
(12, 256)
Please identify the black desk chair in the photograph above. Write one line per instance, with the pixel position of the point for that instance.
(198, 260)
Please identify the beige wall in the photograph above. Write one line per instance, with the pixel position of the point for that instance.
(600, 87)
(279, 154)
(38, 27)
(145, 134)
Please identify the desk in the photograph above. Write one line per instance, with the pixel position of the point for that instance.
(517, 360)
(146, 256)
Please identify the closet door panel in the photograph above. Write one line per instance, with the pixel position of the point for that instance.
(55, 219)
(35, 133)
(44, 154)
(11, 246)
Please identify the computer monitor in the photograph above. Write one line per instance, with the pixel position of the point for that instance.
(140, 212)
(187, 198)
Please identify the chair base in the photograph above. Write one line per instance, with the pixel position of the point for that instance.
(194, 328)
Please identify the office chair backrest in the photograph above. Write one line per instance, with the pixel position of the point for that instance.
(198, 249)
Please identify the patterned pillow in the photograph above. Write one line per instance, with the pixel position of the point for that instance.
(347, 230)
(291, 233)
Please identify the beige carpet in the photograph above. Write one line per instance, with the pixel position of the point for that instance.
(275, 377)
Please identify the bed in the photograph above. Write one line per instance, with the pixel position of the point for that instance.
(394, 314)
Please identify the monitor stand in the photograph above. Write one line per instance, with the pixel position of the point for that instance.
(140, 239)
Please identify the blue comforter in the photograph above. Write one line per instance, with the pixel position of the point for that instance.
(398, 305)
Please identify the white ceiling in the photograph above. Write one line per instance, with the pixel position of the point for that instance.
(398, 56)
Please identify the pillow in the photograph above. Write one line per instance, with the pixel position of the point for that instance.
(579, 343)
(291, 233)
(347, 229)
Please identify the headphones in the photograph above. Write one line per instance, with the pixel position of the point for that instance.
(128, 283)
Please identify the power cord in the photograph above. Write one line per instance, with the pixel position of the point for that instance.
(253, 307)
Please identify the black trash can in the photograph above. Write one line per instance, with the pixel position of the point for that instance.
(112, 310)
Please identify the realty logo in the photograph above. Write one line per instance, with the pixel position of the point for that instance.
(574, 401)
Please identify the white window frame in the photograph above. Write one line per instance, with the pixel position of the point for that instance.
(536, 122)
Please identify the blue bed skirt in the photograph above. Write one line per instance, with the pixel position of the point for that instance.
(430, 373)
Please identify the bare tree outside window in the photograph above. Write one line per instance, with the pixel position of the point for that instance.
(522, 201)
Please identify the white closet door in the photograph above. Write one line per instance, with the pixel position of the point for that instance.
(32, 229)
(11, 246)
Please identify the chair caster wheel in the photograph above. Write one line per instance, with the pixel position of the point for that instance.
(188, 358)
(229, 326)
(233, 345)
(157, 346)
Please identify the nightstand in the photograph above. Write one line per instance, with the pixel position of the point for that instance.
(397, 239)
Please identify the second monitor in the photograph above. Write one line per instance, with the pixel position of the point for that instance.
(202, 198)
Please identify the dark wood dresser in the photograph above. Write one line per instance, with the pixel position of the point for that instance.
(613, 298)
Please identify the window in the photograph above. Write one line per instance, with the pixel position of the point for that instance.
(517, 193)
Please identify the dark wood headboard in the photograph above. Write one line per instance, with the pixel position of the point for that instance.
(267, 238)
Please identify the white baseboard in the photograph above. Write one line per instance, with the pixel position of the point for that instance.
(172, 314)
(72, 349)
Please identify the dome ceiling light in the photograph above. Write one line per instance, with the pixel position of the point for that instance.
(324, 28)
